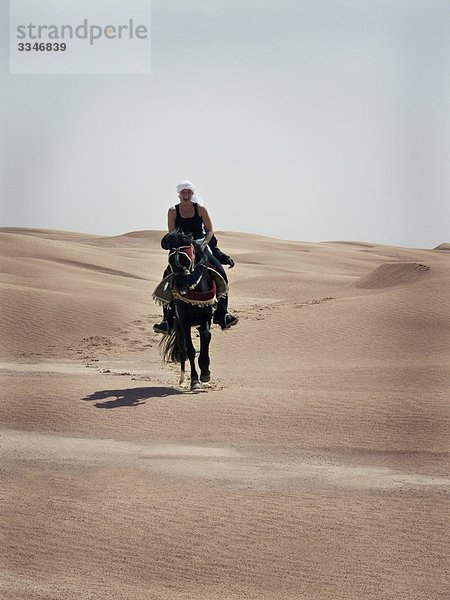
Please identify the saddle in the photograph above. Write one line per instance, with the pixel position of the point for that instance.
(166, 290)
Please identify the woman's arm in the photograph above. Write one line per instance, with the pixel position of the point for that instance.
(171, 216)
(207, 223)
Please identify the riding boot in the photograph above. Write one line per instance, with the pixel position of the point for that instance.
(169, 314)
(221, 316)
(166, 324)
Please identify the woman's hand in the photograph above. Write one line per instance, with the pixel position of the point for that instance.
(230, 263)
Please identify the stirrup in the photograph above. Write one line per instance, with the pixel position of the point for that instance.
(162, 327)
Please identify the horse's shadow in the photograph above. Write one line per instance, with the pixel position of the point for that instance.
(130, 396)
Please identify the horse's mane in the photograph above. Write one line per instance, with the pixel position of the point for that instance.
(177, 239)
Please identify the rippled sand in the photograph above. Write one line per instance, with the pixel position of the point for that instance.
(314, 466)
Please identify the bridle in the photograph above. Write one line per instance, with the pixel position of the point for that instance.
(183, 258)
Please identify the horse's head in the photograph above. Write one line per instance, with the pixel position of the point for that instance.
(182, 259)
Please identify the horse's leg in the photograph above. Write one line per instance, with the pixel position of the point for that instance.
(195, 384)
(182, 370)
(180, 336)
(203, 359)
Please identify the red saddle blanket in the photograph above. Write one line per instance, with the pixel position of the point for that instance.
(200, 297)
(165, 291)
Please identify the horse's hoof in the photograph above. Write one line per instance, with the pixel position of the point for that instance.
(196, 385)
(205, 378)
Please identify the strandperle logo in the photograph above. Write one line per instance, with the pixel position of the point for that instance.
(82, 37)
(84, 31)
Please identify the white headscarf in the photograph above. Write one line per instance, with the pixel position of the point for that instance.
(188, 185)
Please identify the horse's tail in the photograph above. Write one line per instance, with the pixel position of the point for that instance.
(173, 345)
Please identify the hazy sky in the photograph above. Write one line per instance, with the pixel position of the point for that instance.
(302, 119)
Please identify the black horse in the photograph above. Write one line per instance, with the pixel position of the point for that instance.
(192, 288)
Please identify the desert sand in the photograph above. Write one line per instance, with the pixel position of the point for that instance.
(313, 467)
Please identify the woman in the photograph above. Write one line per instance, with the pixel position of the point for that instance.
(193, 218)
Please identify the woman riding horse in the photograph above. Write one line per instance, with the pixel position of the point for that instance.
(190, 217)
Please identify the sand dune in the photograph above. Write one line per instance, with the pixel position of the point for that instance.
(392, 274)
(445, 247)
(314, 466)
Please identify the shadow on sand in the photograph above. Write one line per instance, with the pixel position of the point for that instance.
(130, 396)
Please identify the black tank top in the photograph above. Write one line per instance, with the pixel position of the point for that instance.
(192, 225)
